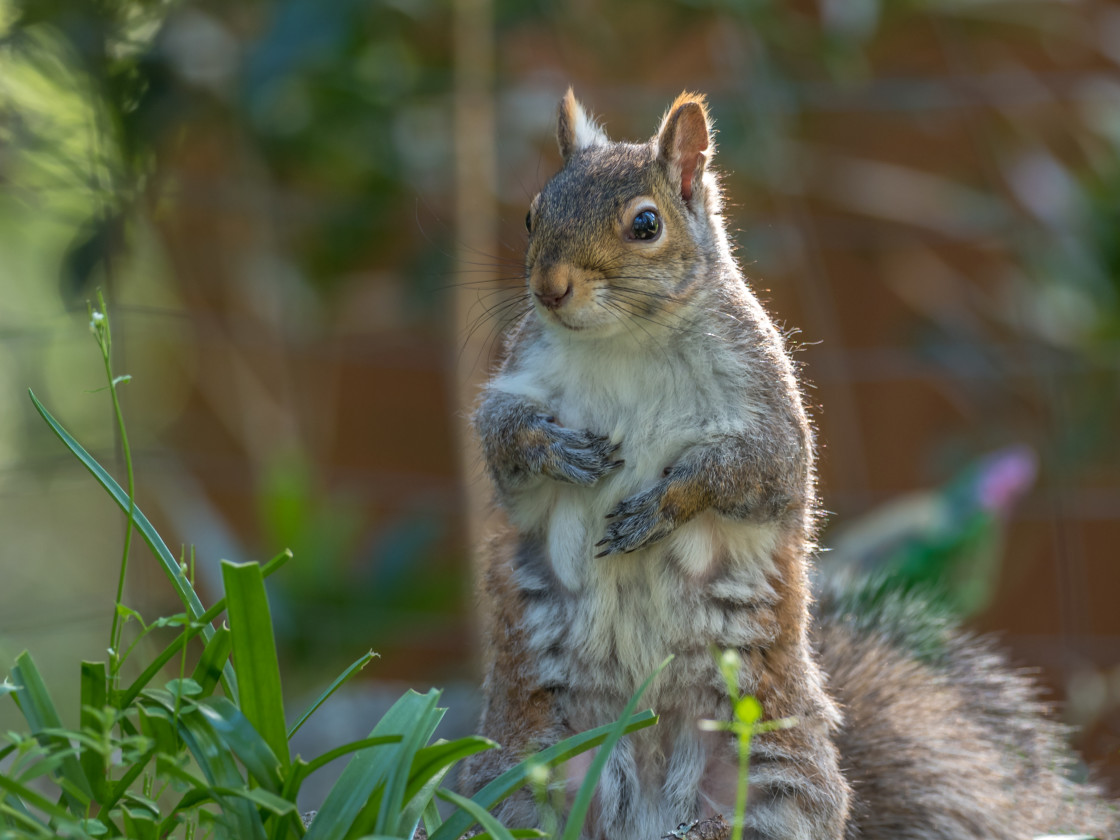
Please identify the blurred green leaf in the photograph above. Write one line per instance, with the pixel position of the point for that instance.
(35, 702)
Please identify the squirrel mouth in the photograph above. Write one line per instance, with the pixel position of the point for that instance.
(555, 317)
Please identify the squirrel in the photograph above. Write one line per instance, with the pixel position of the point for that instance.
(646, 437)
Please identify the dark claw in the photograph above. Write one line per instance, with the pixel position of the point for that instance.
(603, 553)
(616, 464)
(602, 542)
(616, 447)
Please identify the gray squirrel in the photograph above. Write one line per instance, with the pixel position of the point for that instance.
(652, 459)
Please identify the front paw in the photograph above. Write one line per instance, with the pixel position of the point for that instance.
(653, 514)
(638, 521)
(577, 456)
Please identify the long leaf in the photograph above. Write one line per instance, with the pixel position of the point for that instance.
(518, 776)
(209, 668)
(214, 759)
(430, 760)
(125, 782)
(212, 654)
(483, 817)
(254, 654)
(269, 801)
(346, 749)
(35, 702)
(13, 812)
(155, 542)
(369, 770)
(334, 686)
(421, 804)
(247, 744)
(35, 800)
(389, 815)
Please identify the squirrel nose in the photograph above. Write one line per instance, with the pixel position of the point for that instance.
(553, 298)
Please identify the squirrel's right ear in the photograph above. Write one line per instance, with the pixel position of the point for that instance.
(684, 143)
(575, 129)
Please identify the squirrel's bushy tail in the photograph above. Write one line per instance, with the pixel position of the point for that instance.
(942, 738)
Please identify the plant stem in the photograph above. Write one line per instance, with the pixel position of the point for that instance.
(104, 337)
(743, 782)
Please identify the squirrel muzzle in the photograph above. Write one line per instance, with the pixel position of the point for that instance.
(554, 286)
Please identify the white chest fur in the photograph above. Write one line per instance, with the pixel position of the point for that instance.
(615, 618)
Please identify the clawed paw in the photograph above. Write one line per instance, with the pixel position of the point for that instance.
(579, 456)
(638, 521)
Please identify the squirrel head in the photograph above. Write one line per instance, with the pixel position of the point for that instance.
(625, 231)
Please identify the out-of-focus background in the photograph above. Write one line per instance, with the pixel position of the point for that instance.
(307, 220)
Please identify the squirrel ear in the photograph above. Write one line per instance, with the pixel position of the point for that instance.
(575, 129)
(684, 142)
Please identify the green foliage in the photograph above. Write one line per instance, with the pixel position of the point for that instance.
(205, 754)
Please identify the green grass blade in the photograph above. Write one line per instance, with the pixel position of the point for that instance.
(254, 654)
(26, 795)
(362, 784)
(14, 813)
(517, 777)
(94, 697)
(209, 668)
(125, 782)
(35, 702)
(483, 817)
(432, 818)
(385, 816)
(155, 542)
(334, 686)
(215, 760)
(212, 655)
(346, 749)
(431, 760)
(421, 804)
(429, 767)
(388, 817)
(234, 728)
(578, 812)
(271, 802)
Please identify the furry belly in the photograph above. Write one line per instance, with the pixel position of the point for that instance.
(606, 623)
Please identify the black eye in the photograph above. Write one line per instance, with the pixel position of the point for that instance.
(529, 221)
(646, 225)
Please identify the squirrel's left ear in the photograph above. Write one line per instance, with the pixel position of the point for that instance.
(684, 142)
(575, 128)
